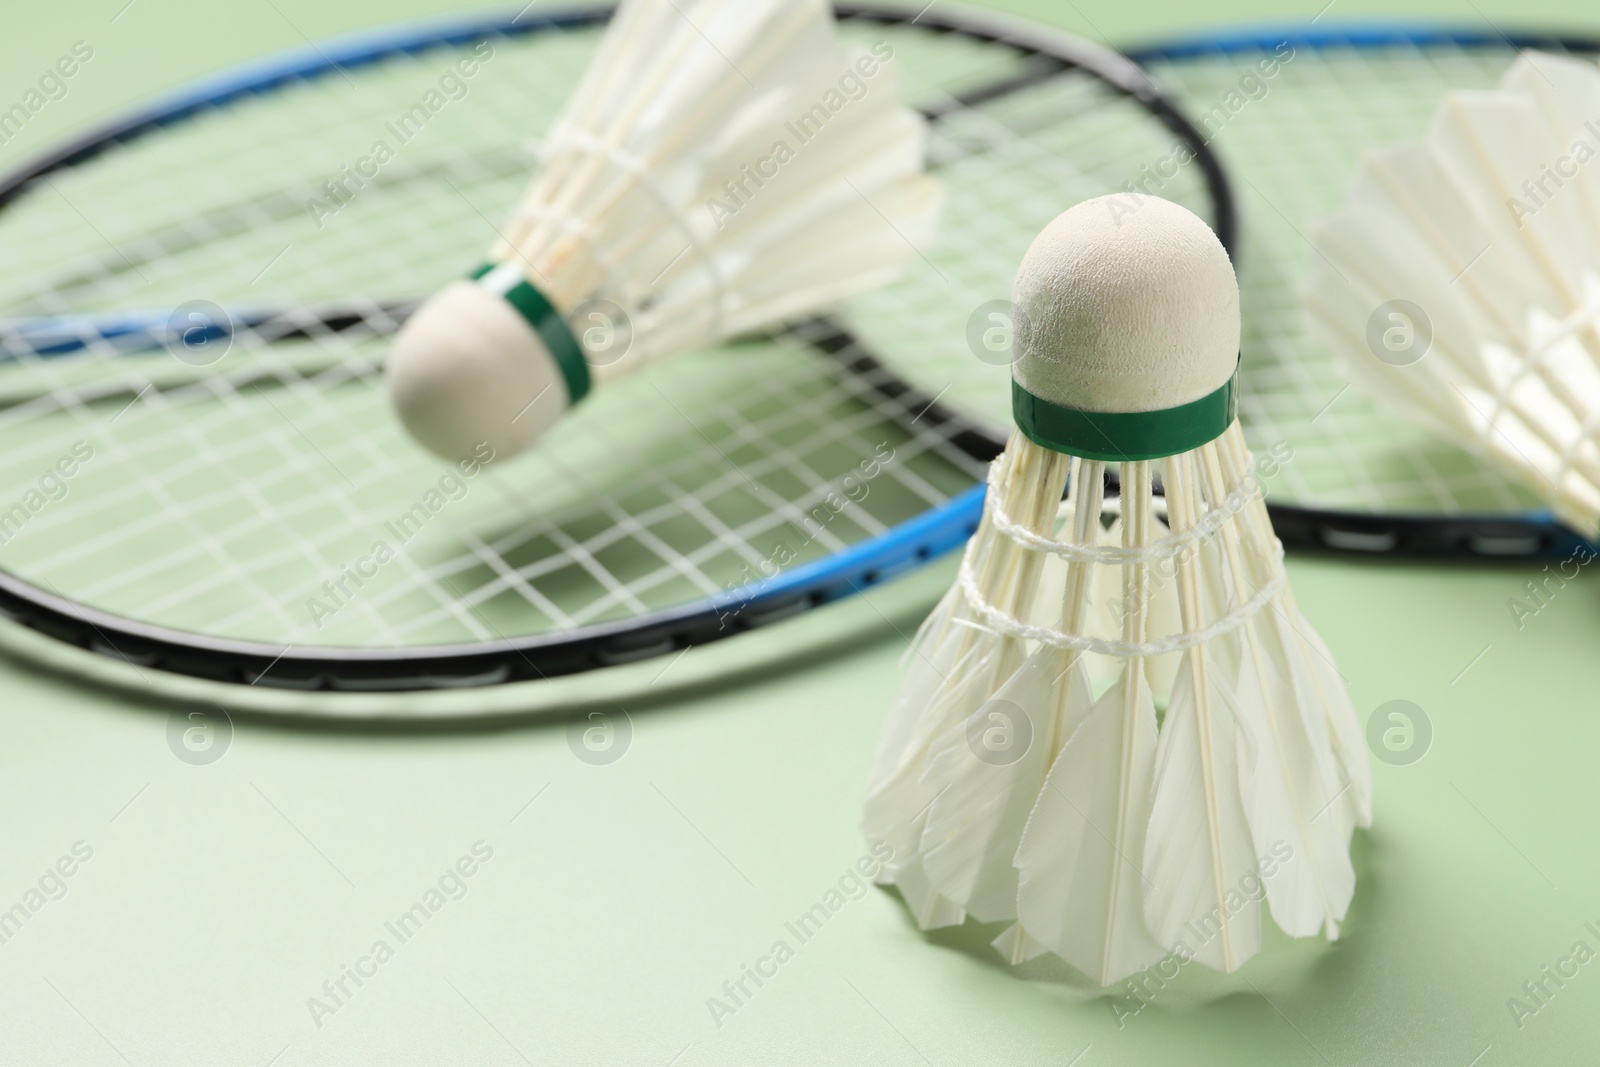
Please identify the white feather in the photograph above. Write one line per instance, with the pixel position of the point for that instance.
(933, 644)
(1491, 225)
(1330, 728)
(981, 804)
(900, 797)
(976, 820)
(1198, 855)
(1082, 884)
(1289, 782)
(1016, 946)
(930, 909)
(1290, 793)
(958, 669)
(1344, 727)
(1081, 889)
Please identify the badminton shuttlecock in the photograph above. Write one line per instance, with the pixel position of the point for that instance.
(1125, 739)
(724, 165)
(1460, 281)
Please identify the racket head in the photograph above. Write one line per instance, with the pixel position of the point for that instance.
(1288, 113)
(238, 505)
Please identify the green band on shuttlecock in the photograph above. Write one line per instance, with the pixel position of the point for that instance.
(1126, 436)
(547, 322)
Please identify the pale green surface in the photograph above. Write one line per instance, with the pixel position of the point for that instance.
(607, 917)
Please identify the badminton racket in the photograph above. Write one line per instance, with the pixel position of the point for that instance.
(203, 476)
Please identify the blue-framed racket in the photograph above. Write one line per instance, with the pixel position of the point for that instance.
(195, 301)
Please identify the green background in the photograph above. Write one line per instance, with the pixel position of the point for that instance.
(219, 898)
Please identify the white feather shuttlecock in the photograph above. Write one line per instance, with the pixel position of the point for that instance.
(1460, 280)
(723, 166)
(1122, 736)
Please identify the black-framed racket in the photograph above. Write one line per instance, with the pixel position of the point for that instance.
(195, 303)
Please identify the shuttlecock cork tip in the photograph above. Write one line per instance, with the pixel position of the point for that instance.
(468, 370)
(1125, 303)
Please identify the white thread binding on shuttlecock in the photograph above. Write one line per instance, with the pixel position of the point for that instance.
(584, 141)
(1585, 317)
(1155, 552)
(1001, 624)
(571, 226)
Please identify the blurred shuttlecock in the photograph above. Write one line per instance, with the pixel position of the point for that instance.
(724, 165)
(1027, 771)
(1460, 281)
